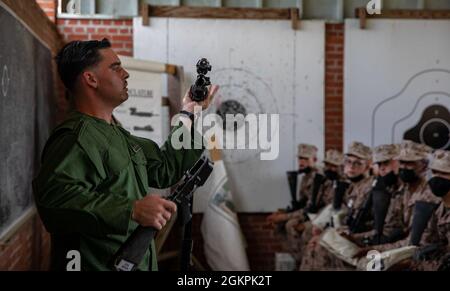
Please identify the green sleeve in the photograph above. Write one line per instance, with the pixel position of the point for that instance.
(66, 197)
(166, 165)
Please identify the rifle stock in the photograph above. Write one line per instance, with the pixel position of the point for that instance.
(131, 253)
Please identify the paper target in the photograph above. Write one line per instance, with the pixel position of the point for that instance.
(242, 92)
(403, 93)
(433, 128)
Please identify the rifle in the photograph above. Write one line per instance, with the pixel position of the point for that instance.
(131, 253)
(445, 263)
(292, 177)
(356, 224)
(429, 252)
(422, 214)
(314, 205)
(339, 193)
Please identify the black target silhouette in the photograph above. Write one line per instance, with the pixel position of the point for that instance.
(433, 129)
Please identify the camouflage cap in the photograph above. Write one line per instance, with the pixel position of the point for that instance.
(359, 150)
(334, 157)
(413, 152)
(307, 151)
(441, 161)
(385, 153)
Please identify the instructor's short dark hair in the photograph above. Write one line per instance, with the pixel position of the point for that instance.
(77, 56)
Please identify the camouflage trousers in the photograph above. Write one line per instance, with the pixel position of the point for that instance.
(297, 238)
(317, 258)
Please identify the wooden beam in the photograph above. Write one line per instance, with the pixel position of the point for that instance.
(219, 12)
(171, 69)
(295, 18)
(145, 14)
(407, 14)
(362, 15)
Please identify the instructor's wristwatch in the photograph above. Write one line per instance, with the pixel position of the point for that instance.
(189, 114)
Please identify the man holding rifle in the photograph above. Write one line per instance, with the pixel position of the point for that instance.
(91, 191)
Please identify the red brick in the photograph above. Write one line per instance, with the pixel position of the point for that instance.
(72, 22)
(122, 38)
(80, 30)
(72, 37)
(98, 36)
(125, 53)
(85, 22)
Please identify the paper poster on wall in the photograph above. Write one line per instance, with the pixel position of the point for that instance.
(142, 113)
(397, 84)
(263, 67)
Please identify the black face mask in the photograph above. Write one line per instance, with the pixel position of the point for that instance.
(305, 170)
(389, 179)
(331, 175)
(439, 186)
(356, 179)
(408, 176)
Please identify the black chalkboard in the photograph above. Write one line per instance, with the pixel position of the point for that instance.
(26, 94)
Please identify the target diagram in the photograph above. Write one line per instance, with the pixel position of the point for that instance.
(242, 92)
(433, 128)
(415, 114)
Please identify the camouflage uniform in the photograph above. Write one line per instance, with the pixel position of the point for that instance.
(397, 217)
(419, 191)
(286, 230)
(296, 239)
(403, 209)
(440, 220)
(317, 257)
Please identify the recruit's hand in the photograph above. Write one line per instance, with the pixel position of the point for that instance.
(188, 104)
(300, 227)
(351, 238)
(153, 211)
(406, 264)
(316, 231)
(362, 252)
(277, 217)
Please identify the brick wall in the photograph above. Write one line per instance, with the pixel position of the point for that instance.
(28, 250)
(49, 7)
(334, 86)
(119, 32)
